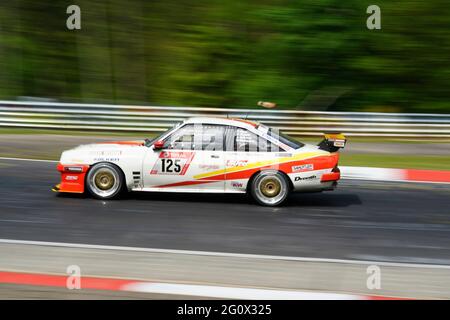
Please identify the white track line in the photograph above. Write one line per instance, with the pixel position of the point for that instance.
(234, 292)
(220, 254)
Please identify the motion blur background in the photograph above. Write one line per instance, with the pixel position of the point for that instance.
(308, 55)
(315, 58)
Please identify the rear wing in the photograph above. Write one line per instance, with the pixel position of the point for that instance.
(332, 142)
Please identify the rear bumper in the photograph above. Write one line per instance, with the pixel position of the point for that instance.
(72, 178)
(332, 176)
(330, 179)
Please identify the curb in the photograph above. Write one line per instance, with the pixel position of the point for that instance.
(388, 174)
(206, 291)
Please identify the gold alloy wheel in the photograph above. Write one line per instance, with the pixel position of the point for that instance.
(104, 180)
(270, 187)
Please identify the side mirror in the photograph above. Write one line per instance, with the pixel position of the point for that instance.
(158, 145)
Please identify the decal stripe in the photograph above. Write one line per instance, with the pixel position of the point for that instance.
(183, 183)
(127, 143)
(319, 162)
(186, 166)
(253, 124)
(302, 156)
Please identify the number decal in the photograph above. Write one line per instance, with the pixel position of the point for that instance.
(172, 162)
(169, 165)
(177, 165)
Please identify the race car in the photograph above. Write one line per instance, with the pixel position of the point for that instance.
(205, 154)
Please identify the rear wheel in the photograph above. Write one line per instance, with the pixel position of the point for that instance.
(104, 181)
(270, 188)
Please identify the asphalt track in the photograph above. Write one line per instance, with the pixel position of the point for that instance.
(380, 221)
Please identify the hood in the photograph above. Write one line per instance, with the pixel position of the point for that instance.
(88, 153)
(121, 143)
(110, 145)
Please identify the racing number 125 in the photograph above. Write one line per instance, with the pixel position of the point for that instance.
(167, 164)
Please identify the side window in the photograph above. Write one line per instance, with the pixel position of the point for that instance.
(183, 138)
(213, 137)
(265, 145)
(245, 140)
(197, 137)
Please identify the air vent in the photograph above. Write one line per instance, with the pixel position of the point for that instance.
(136, 178)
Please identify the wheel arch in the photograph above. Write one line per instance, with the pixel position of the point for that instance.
(253, 176)
(124, 176)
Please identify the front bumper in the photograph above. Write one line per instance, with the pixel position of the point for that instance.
(56, 188)
(72, 178)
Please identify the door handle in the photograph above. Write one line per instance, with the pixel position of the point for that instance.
(214, 156)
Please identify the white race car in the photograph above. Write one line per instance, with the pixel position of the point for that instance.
(217, 155)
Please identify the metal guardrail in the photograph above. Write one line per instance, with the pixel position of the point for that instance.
(102, 117)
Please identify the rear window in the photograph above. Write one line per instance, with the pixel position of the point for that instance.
(283, 138)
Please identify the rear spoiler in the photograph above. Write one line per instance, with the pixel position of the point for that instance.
(332, 142)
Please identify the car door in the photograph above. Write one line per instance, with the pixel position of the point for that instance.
(246, 153)
(185, 156)
(210, 163)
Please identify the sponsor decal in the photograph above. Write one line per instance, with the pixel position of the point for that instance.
(339, 143)
(106, 159)
(236, 163)
(175, 154)
(305, 178)
(207, 167)
(283, 154)
(71, 178)
(303, 167)
(235, 184)
(107, 153)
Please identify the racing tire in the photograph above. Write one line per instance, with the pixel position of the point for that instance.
(105, 181)
(270, 188)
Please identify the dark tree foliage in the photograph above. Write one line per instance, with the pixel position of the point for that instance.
(304, 54)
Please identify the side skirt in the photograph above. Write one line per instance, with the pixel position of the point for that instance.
(184, 190)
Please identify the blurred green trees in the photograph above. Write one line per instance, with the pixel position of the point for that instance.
(306, 54)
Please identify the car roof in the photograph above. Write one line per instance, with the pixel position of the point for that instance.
(224, 121)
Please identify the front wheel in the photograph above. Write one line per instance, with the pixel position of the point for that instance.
(104, 181)
(270, 188)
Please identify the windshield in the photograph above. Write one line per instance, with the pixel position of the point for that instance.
(284, 138)
(149, 142)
